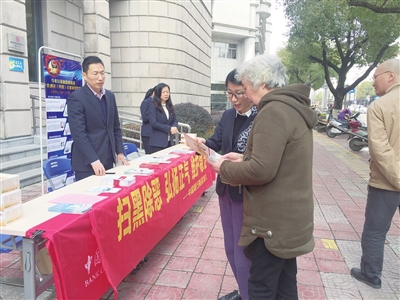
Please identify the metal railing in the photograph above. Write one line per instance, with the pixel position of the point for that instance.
(130, 123)
(36, 113)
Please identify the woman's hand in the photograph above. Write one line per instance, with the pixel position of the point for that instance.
(233, 156)
(174, 130)
(201, 140)
(216, 165)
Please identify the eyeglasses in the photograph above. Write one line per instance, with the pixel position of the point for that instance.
(237, 95)
(376, 76)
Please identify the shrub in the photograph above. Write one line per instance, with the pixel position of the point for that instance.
(196, 116)
(131, 130)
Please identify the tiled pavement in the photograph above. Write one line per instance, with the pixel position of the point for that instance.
(190, 263)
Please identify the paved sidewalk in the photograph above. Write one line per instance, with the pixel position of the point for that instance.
(190, 262)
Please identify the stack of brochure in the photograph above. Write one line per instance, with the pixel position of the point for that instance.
(103, 189)
(118, 181)
(139, 171)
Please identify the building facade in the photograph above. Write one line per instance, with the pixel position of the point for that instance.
(141, 42)
(190, 45)
(241, 30)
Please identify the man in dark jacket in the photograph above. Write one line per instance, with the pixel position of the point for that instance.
(94, 123)
(276, 177)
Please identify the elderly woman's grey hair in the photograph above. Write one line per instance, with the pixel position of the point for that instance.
(264, 69)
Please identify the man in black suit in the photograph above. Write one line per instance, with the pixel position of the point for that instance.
(94, 123)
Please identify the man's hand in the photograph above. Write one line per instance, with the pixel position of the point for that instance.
(98, 168)
(121, 158)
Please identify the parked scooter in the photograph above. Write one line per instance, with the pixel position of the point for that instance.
(358, 136)
(323, 122)
(337, 127)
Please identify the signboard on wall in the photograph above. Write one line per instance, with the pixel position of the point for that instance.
(16, 43)
(61, 77)
(16, 64)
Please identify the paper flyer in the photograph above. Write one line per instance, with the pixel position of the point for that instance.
(201, 148)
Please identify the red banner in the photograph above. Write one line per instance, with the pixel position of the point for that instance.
(105, 245)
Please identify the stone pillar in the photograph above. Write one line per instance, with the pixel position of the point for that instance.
(15, 105)
(264, 25)
(96, 19)
(249, 47)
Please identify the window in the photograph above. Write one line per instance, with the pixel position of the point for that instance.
(219, 102)
(34, 34)
(224, 50)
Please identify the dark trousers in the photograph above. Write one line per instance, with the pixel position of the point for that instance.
(145, 143)
(155, 148)
(379, 212)
(109, 164)
(271, 277)
(232, 221)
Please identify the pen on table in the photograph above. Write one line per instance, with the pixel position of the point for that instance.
(110, 173)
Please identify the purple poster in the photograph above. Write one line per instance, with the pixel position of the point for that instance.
(61, 77)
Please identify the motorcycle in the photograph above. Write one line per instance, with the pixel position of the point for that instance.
(358, 138)
(337, 127)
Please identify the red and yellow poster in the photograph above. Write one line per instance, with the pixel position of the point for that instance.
(106, 243)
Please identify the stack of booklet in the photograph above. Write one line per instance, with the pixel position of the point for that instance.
(70, 208)
(74, 203)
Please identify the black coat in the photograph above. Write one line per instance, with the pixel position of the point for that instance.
(91, 132)
(222, 139)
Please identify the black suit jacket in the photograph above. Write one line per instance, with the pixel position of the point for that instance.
(146, 126)
(161, 126)
(92, 133)
(222, 139)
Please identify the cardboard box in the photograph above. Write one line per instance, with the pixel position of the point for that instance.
(9, 199)
(11, 214)
(43, 262)
(8, 182)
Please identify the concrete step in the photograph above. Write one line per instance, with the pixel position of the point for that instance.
(31, 177)
(22, 156)
(18, 152)
(15, 142)
(22, 164)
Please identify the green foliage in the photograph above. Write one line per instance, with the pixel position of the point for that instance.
(196, 116)
(363, 89)
(319, 96)
(338, 37)
(300, 71)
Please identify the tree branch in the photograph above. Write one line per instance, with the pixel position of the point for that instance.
(339, 47)
(366, 73)
(320, 61)
(375, 8)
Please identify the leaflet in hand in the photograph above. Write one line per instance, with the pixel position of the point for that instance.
(201, 148)
(70, 208)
